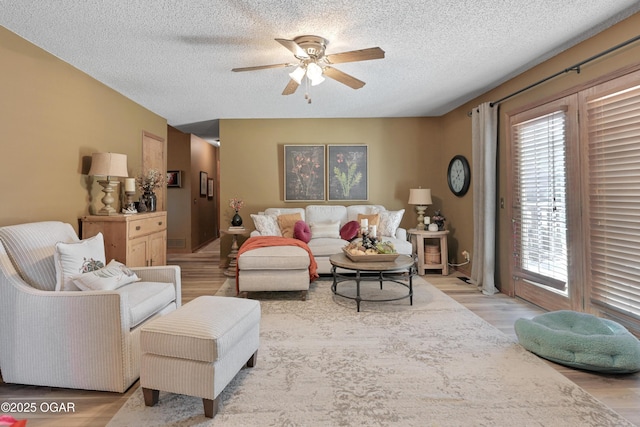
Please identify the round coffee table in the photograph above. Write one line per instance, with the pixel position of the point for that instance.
(403, 267)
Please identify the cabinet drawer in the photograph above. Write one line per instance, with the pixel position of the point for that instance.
(142, 227)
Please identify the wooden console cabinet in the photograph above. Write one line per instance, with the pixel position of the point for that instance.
(138, 240)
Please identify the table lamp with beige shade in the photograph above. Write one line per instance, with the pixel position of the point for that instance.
(108, 165)
(421, 198)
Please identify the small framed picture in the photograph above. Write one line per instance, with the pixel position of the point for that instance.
(210, 188)
(174, 178)
(203, 183)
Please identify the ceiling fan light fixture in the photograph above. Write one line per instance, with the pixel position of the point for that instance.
(297, 75)
(315, 65)
(317, 80)
(314, 71)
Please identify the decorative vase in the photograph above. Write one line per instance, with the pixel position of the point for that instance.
(439, 220)
(150, 200)
(236, 221)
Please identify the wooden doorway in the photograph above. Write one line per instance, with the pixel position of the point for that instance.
(153, 149)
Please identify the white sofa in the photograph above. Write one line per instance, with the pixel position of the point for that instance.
(323, 247)
(73, 339)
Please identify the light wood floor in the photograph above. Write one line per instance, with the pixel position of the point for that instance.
(201, 275)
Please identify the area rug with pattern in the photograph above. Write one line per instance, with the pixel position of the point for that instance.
(433, 363)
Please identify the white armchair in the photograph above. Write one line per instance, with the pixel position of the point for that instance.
(73, 339)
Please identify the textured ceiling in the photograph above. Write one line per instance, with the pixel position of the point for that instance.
(174, 57)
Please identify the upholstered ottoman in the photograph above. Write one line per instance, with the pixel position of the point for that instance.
(274, 268)
(199, 348)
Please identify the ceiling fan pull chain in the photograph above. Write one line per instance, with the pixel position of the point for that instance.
(306, 94)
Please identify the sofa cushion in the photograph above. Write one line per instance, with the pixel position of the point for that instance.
(301, 231)
(72, 259)
(324, 246)
(287, 222)
(108, 278)
(402, 245)
(146, 299)
(31, 246)
(267, 225)
(329, 230)
(317, 214)
(389, 222)
(349, 231)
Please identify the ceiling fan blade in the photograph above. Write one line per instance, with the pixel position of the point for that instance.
(343, 78)
(356, 55)
(262, 67)
(292, 86)
(293, 47)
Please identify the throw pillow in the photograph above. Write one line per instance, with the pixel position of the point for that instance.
(267, 225)
(349, 231)
(301, 231)
(373, 219)
(108, 278)
(389, 222)
(286, 223)
(327, 229)
(72, 259)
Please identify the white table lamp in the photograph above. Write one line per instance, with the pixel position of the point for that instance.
(421, 198)
(108, 165)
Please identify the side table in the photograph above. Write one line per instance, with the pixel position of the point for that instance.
(420, 236)
(233, 255)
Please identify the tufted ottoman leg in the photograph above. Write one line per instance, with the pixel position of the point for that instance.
(252, 360)
(210, 407)
(150, 396)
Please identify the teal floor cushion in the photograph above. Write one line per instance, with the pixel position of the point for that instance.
(580, 340)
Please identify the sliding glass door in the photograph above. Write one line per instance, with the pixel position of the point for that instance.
(574, 198)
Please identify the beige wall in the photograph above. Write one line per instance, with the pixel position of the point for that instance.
(192, 219)
(52, 118)
(457, 126)
(179, 199)
(204, 215)
(403, 153)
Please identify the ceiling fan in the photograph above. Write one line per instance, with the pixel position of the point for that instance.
(313, 63)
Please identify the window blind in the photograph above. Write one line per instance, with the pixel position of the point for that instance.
(539, 200)
(613, 124)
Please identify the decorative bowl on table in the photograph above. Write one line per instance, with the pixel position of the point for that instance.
(370, 250)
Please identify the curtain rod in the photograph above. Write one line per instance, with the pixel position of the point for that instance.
(575, 67)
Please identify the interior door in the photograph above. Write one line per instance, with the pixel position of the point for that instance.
(153, 149)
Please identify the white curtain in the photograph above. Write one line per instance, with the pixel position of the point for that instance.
(484, 149)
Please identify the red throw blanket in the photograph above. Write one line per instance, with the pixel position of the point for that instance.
(267, 241)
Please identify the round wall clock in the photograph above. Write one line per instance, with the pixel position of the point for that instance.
(459, 175)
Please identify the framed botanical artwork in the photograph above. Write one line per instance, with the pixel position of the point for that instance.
(304, 173)
(203, 183)
(174, 178)
(347, 173)
(210, 188)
